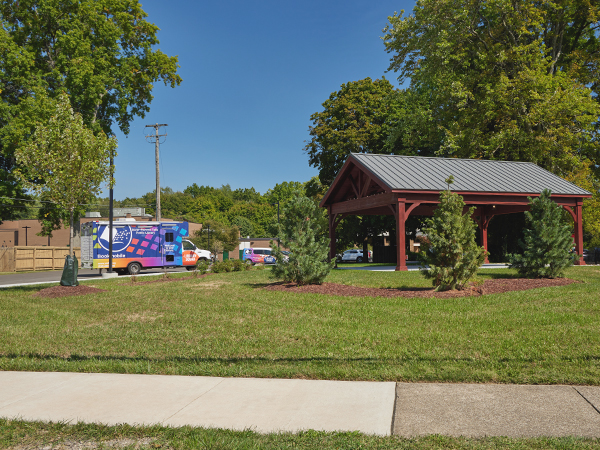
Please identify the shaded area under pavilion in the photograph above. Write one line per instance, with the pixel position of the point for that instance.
(397, 185)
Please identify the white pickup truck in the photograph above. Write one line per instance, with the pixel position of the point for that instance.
(192, 254)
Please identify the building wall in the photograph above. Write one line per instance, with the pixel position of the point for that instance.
(12, 232)
(60, 238)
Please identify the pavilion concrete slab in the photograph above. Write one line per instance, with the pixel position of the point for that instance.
(478, 410)
(265, 405)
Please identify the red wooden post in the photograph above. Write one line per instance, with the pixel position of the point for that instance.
(485, 220)
(579, 234)
(331, 235)
(401, 235)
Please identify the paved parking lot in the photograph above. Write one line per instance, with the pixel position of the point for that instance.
(53, 276)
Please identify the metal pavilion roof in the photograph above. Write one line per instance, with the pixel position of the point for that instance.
(418, 173)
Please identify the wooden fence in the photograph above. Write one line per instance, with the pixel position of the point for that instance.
(21, 258)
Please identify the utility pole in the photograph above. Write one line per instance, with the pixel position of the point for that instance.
(277, 220)
(26, 228)
(155, 139)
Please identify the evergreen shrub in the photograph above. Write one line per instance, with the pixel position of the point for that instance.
(230, 265)
(548, 241)
(449, 250)
(202, 267)
(303, 230)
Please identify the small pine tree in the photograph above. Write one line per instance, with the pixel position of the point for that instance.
(303, 231)
(548, 241)
(450, 250)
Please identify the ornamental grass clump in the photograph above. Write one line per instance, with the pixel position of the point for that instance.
(548, 241)
(303, 232)
(450, 255)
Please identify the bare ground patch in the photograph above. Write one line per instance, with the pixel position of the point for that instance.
(66, 291)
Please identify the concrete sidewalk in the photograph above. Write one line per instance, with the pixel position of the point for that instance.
(53, 276)
(272, 405)
(265, 405)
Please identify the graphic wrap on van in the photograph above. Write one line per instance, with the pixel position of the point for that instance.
(150, 245)
(257, 255)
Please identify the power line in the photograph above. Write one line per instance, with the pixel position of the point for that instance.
(77, 204)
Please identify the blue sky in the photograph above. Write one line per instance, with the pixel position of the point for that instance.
(253, 73)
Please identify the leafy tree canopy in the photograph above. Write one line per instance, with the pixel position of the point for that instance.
(68, 157)
(284, 192)
(222, 236)
(101, 52)
(357, 118)
(504, 80)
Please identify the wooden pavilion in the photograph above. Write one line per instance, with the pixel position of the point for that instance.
(400, 186)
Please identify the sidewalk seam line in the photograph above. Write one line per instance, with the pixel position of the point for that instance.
(591, 404)
(394, 410)
(192, 401)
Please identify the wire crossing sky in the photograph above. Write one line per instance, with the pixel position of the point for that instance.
(253, 73)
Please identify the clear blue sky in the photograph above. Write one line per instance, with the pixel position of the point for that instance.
(253, 73)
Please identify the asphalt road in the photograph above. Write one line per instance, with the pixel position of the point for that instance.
(53, 276)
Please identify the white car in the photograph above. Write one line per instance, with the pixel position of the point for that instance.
(355, 256)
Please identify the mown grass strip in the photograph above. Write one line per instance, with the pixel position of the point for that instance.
(20, 434)
(227, 325)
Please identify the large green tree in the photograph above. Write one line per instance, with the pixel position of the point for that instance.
(357, 118)
(507, 80)
(72, 161)
(363, 116)
(101, 52)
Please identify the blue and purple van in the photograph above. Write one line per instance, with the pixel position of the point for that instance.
(258, 255)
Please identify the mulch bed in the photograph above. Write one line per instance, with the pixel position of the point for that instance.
(65, 291)
(488, 287)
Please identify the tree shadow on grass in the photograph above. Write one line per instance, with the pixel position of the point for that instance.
(263, 360)
(25, 289)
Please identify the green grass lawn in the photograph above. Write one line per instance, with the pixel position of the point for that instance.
(54, 435)
(227, 325)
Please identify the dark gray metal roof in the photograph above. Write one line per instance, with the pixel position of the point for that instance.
(417, 173)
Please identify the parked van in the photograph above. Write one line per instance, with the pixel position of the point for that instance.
(138, 245)
(258, 255)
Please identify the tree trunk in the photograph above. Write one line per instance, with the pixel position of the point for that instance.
(71, 235)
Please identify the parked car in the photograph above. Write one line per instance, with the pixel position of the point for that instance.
(356, 256)
(257, 255)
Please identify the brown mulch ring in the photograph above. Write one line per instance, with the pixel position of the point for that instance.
(65, 291)
(488, 287)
